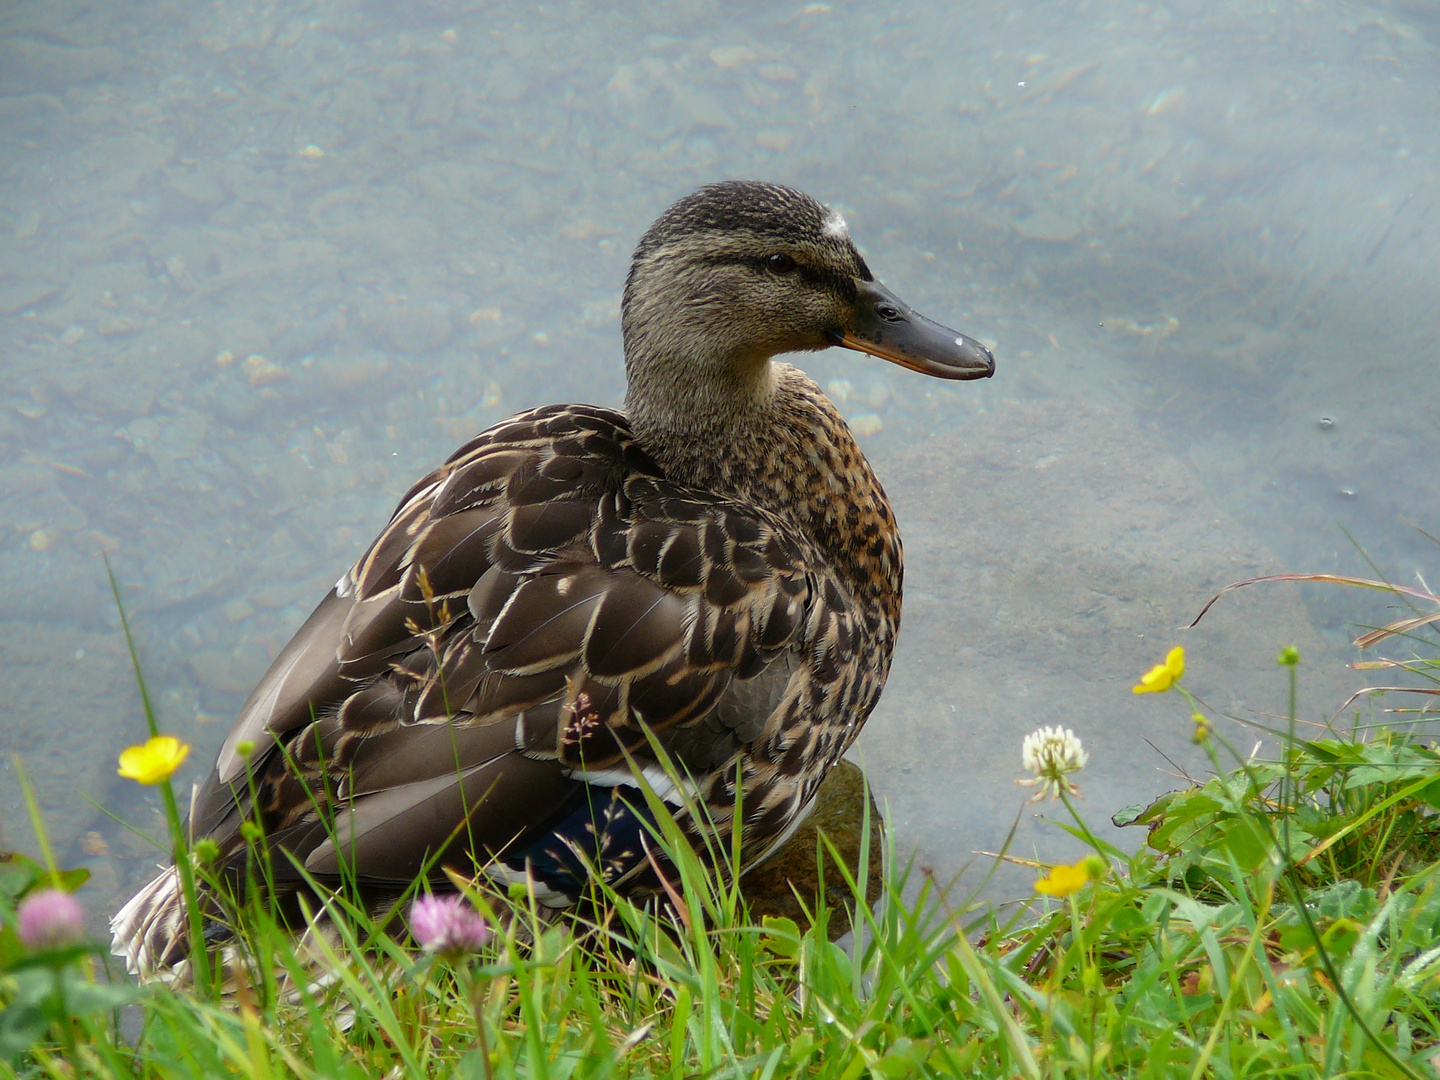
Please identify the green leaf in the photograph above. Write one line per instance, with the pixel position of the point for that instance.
(1144, 815)
(1340, 937)
(1346, 900)
(1295, 938)
(905, 1058)
(32, 1006)
(1128, 919)
(1431, 794)
(801, 1047)
(950, 1061)
(782, 936)
(48, 958)
(21, 1027)
(1246, 843)
(11, 951)
(70, 880)
(21, 875)
(17, 873)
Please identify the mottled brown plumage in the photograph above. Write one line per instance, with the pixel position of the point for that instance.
(716, 569)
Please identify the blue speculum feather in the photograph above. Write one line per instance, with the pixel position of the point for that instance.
(604, 835)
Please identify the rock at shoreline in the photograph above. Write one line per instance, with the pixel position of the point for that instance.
(839, 813)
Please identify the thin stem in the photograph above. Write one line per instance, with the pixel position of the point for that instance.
(180, 850)
(1090, 837)
(32, 807)
(199, 955)
(149, 708)
(62, 1007)
(472, 987)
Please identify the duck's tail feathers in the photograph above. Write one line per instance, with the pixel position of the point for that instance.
(150, 933)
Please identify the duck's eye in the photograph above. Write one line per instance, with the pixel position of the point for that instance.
(780, 263)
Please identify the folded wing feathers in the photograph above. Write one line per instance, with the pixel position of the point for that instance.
(547, 566)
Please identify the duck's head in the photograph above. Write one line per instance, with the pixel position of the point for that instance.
(740, 271)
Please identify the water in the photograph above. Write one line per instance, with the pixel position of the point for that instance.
(262, 266)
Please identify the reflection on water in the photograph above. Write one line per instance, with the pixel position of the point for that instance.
(262, 266)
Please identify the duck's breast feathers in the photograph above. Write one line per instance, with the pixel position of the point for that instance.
(549, 575)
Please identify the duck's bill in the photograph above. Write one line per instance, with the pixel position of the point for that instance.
(885, 326)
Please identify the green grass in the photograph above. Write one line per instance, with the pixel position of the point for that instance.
(1280, 919)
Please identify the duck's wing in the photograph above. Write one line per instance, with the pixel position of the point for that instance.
(532, 608)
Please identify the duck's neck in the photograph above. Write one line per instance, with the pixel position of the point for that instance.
(773, 440)
(697, 379)
(679, 406)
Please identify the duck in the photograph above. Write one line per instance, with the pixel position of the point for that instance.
(696, 597)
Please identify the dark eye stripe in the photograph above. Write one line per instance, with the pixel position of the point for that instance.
(841, 285)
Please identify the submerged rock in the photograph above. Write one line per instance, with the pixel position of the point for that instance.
(771, 887)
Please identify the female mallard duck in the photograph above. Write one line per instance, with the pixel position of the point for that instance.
(716, 569)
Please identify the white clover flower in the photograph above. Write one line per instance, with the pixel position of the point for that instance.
(1051, 754)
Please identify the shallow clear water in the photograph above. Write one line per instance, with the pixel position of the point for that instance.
(263, 265)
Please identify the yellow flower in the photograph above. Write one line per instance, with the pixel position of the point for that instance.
(155, 761)
(1163, 676)
(1064, 880)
